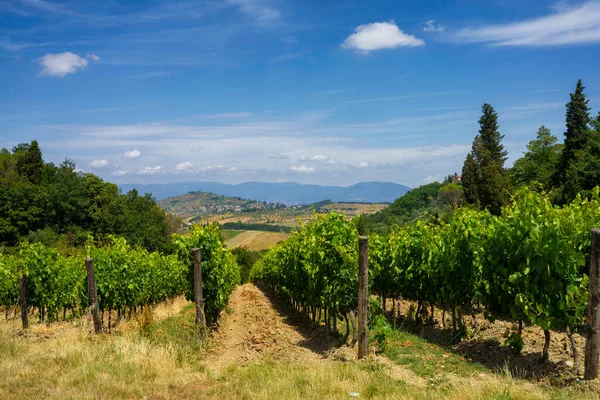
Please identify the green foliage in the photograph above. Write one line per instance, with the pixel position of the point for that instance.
(380, 329)
(42, 202)
(125, 277)
(317, 266)
(514, 341)
(409, 207)
(255, 227)
(484, 178)
(246, 260)
(539, 162)
(220, 272)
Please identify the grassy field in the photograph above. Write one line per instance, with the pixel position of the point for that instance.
(228, 235)
(162, 358)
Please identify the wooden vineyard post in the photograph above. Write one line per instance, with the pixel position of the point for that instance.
(23, 298)
(363, 296)
(592, 342)
(93, 295)
(198, 295)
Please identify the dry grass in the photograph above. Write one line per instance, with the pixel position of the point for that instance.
(64, 361)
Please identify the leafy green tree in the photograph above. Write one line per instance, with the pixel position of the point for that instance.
(30, 163)
(451, 195)
(539, 162)
(487, 180)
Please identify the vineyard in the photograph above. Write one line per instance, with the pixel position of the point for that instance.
(528, 265)
(127, 278)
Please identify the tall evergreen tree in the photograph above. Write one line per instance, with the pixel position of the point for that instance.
(487, 180)
(568, 177)
(470, 179)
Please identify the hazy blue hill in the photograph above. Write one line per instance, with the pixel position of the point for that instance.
(285, 192)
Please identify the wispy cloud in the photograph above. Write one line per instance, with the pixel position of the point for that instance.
(228, 115)
(262, 12)
(378, 36)
(565, 26)
(431, 26)
(408, 96)
(119, 173)
(292, 56)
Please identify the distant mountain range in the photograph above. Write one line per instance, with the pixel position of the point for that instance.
(289, 193)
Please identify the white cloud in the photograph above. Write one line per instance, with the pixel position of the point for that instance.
(430, 179)
(150, 170)
(362, 164)
(431, 26)
(303, 169)
(132, 153)
(566, 26)
(93, 57)
(184, 166)
(61, 64)
(196, 148)
(318, 157)
(379, 35)
(99, 164)
(119, 173)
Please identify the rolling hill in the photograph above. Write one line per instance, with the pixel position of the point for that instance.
(289, 193)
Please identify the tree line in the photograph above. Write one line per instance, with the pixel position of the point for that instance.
(58, 205)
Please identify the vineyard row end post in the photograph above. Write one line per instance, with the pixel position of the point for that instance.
(363, 296)
(23, 298)
(592, 342)
(198, 295)
(93, 295)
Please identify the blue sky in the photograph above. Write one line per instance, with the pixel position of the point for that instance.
(327, 92)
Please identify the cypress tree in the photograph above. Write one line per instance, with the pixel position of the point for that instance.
(568, 177)
(487, 181)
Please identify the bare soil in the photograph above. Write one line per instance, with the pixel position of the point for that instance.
(258, 326)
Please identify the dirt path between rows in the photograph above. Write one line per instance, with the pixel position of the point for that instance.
(261, 326)
(258, 326)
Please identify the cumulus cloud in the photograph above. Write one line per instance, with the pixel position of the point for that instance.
(61, 64)
(303, 169)
(99, 164)
(431, 26)
(380, 35)
(184, 166)
(132, 153)
(93, 57)
(150, 170)
(565, 26)
(119, 173)
(430, 179)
